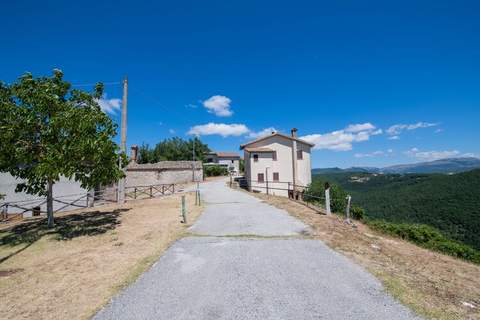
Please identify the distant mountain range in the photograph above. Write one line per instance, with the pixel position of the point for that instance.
(451, 165)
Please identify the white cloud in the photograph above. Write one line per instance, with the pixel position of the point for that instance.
(109, 105)
(431, 155)
(171, 131)
(218, 105)
(342, 140)
(221, 129)
(191, 106)
(394, 138)
(439, 130)
(396, 129)
(360, 127)
(370, 154)
(261, 133)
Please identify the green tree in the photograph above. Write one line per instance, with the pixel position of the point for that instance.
(173, 149)
(48, 130)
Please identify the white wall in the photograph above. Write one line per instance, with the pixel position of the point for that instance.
(64, 187)
(283, 165)
(228, 163)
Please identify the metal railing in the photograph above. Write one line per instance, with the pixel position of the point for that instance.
(294, 191)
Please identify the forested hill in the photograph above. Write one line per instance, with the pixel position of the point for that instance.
(450, 203)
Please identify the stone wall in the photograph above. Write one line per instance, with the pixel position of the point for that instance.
(164, 172)
(164, 176)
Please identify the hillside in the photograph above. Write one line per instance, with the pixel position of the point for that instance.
(450, 203)
(452, 165)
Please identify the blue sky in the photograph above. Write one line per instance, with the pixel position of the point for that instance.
(370, 83)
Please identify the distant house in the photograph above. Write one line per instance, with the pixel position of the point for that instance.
(230, 160)
(278, 164)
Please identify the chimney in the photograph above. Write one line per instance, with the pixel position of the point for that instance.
(134, 153)
(294, 132)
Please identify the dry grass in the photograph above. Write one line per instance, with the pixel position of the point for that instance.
(434, 285)
(73, 271)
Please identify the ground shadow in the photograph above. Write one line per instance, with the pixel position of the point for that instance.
(66, 227)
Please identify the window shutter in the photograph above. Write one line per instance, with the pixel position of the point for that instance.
(299, 154)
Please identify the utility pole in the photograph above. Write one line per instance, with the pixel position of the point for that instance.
(123, 140)
(193, 158)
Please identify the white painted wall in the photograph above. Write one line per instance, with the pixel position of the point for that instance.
(235, 163)
(64, 187)
(283, 165)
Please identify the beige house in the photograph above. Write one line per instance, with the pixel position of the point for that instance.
(278, 164)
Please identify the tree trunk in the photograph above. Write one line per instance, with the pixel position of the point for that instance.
(50, 204)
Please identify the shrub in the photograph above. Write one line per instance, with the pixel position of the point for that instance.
(316, 193)
(427, 237)
(214, 171)
(357, 212)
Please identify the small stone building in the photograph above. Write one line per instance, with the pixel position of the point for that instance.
(163, 172)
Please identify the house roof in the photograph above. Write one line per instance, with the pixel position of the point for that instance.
(276, 134)
(228, 154)
(259, 150)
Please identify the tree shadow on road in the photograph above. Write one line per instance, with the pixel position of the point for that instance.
(66, 227)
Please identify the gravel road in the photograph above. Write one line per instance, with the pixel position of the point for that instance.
(230, 273)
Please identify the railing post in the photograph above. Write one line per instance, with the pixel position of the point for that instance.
(184, 211)
(347, 209)
(173, 188)
(5, 211)
(135, 192)
(151, 193)
(327, 201)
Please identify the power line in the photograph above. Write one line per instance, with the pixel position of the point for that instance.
(93, 84)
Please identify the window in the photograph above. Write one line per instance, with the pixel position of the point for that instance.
(255, 158)
(276, 176)
(260, 177)
(299, 154)
(274, 155)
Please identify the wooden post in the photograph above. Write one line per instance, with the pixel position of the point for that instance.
(151, 192)
(184, 211)
(135, 193)
(327, 201)
(5, 211)
(266, 178)
(347, 209)
(91, 198)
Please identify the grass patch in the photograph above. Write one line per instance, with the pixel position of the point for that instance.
(72, 270)
(427, 237)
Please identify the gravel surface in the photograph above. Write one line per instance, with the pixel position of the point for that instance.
(249, 277)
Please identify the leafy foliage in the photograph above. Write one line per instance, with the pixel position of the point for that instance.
(48, 130)
(173, 149)
(215, 171)
(316, 193)
(427, 237)
(449, 203)
(358, 213)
